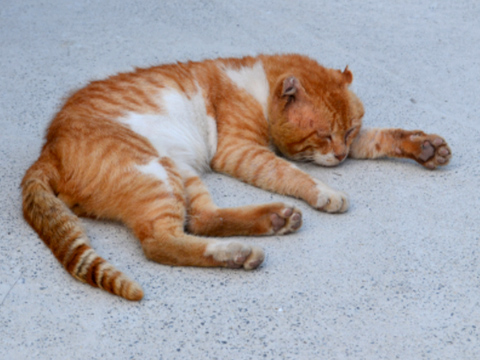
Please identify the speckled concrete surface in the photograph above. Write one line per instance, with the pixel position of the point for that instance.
(395, 277)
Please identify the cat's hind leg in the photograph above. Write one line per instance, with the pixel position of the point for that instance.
(205, 218)
(157, 216)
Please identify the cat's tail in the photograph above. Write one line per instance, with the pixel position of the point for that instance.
(62, 232)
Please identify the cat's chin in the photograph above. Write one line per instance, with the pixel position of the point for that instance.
(333, 164)
(326, 160)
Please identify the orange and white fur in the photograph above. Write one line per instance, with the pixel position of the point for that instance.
(132, 148)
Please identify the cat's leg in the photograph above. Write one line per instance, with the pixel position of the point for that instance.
(258, 165)
(428, 150)
(205, 218)
(157, 216)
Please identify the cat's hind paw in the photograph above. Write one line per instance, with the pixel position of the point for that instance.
(286, 220)
(235, 255)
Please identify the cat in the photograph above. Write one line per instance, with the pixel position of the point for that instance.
(132, 148)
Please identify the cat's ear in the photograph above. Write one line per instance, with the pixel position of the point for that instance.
(347, 75)
(291, 86)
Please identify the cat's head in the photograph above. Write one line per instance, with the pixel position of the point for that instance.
(314, 116)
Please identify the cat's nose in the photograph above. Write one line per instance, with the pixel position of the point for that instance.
(341, 156)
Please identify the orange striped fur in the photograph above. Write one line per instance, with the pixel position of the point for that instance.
(132, 148)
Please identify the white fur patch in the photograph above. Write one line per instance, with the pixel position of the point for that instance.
(154, 168)
(254, 81)
(330, 200)
(183, 131)
(325, 159)
(235, 254)
(226, 250)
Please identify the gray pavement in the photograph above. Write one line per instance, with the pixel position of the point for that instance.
(397, 277)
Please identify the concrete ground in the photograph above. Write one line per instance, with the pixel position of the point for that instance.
(395, 277)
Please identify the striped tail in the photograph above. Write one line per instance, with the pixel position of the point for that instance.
(63, 233)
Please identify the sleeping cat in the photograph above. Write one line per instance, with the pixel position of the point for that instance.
(132, 148)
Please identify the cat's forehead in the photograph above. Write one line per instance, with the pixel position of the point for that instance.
(331, 113)
(319, 117)
(333, 107)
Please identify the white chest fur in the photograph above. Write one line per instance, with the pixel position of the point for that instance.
(183, 131)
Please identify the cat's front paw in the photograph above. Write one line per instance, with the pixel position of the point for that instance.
(430, 151)
(330, 200)
(234, 255)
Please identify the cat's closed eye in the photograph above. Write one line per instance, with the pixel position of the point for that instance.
(323, 137)
(349, 133)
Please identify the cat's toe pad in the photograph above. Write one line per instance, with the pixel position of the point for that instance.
(432, 151)
(287, 220)
(235, 255)
(427, 151)
(441, 154)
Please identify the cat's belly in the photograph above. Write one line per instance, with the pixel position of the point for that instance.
(183, 131)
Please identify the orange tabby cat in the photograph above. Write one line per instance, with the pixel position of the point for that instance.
(132, 148)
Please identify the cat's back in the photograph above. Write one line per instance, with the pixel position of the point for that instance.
(167, 107)
(172, 108)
